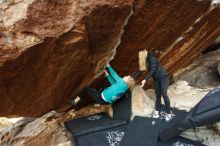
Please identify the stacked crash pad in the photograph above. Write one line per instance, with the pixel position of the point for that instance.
(102, 130)
(97, 130)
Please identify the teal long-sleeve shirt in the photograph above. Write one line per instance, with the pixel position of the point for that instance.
(117, 89)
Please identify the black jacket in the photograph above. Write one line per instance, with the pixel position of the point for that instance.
(154, 67)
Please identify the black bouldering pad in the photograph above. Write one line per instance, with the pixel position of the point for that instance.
(122, 108)
(180, 141)
(205, 112)
(142, 132)
(92, 123)
(179, 115)
(109, 137)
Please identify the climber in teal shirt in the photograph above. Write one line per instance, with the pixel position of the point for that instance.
(117, 89)
(118, 86)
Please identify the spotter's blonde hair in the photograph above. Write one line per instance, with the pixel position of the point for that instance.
(142, 56)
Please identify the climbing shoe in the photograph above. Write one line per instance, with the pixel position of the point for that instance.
(74, 102)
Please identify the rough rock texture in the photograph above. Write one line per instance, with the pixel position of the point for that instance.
(218, 68)
(7, 122)
(177, 31)
(51, 49)
(4, 122)
(203, 73)
(218, 40)
(47, 130)
(142, 104)
(182, 96)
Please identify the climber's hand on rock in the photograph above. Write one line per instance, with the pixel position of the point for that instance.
(106, 73)
(143, 83)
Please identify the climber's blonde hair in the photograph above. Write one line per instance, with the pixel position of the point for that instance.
(130, 81)
(142, 55)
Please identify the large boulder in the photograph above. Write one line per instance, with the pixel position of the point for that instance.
(51, 49)
(182, 96)
(203, 72)
(142, 104)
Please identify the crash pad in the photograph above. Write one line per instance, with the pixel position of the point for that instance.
(92, 123)
(122, 108)
(142, 131)
(205, 112)
(180, 141)
(96, 130)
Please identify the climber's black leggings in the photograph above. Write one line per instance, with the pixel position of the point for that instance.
(161, 86)
(92, 93)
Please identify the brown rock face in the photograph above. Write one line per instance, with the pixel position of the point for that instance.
(51, 49)
(177, 31)
(218, 68)
(71, 43)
